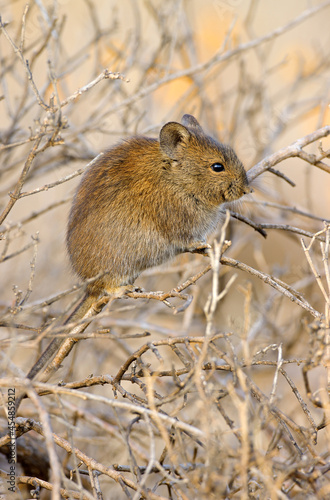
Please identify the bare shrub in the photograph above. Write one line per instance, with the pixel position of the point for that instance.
(211, 382)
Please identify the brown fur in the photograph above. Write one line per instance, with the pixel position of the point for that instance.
(146, 201)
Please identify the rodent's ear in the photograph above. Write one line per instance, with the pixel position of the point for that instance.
(191, 122)
(171, 136)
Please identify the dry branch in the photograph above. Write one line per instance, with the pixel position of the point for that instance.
(196, 390)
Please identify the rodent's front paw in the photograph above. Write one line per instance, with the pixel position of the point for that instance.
(198, 247)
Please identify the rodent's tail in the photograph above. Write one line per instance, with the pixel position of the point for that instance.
(77, 314)
(81, 308)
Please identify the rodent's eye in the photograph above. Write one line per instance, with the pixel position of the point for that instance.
(217, 167)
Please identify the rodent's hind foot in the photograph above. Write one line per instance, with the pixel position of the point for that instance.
(134, 292)
(133, 288)
(120, 291)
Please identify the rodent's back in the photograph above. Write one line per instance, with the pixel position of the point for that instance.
(145, 201)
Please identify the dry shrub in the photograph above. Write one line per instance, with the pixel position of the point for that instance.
(217, 387)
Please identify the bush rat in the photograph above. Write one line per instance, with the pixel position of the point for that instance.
(143, 202)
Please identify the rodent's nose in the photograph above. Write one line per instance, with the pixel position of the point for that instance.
(248, 190)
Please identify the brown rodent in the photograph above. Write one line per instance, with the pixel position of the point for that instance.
(143, 202)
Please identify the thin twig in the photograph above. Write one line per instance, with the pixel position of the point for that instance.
(291, 151)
